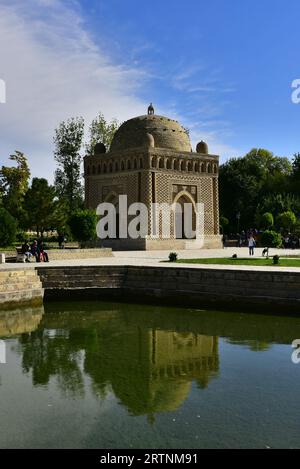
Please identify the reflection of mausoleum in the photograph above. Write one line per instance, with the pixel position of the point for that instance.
(151, 161)
(151, 370)
(20, 321)
(148, 361)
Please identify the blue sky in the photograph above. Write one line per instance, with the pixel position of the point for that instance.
(223, 68)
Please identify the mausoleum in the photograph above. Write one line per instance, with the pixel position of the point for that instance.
(151, 160)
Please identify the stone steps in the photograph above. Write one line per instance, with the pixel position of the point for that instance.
(20, 286)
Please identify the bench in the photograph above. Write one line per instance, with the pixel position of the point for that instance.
(21, 257)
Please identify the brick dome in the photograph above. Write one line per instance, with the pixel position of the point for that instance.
(167, 133)
(202, 147)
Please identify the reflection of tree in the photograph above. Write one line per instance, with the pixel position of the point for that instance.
(57, 354)
(149, 370)
(147, 355)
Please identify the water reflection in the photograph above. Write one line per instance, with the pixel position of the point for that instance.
(148, 357)
(20, 320)
(149, 368)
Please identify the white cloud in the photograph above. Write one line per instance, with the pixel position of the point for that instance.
(53, 70)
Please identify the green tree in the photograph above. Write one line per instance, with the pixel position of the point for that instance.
(68, 142)
(266, 221)
(42, 206)
(295, 178)
(246, 181)
(83, 225)
(278, 203)
(8, 228)
(271, 239)
(101, 131)
(286, 220)
(224, 222)
(14, 184)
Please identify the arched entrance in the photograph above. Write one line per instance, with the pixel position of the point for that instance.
(185, 216)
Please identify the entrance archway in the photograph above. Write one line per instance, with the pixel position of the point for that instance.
(184, 217)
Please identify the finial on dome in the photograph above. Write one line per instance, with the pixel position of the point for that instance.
(150, 110)
(202, 147)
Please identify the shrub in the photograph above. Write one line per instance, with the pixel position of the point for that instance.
(275, 259)
(271, 239)
(286, 220)
(266, 221)
(83, 225)
(173, 256)
(234, 256)
(8, 228)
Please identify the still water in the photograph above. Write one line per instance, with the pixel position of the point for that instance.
(108, 375)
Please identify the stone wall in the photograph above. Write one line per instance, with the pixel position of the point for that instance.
(61, 254)
(194, 287)
(20, 286)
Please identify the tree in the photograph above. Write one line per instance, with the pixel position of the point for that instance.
(42, 206)
(286, 220)
(245, 182)
(278, 203)
(83, 225)
(68, 142)
(14, 184)
(271, 239)
(295, 178)
(224, 222)
(101, 131)
(8, 228)
(266, 221)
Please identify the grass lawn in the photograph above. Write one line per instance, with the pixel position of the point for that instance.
(283, 262)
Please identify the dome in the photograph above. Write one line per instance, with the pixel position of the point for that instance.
(99, 149)
(166, 133)
(202, 147)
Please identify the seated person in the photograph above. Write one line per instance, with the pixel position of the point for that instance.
(26, 251)
(43, 254)
(35, 251)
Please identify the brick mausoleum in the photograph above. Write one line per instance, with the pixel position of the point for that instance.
(151, 161)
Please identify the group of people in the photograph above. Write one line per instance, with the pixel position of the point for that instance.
(291, 241)
(246, 238)
(36, 249)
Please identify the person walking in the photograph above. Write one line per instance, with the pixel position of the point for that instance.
(251, 245)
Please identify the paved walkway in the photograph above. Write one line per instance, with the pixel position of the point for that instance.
(154, 258)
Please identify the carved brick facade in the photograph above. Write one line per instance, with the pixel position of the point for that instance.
(149, 174)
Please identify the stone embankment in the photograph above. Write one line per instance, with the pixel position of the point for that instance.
(20, 286)
(184, 286)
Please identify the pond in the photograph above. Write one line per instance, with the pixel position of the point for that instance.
(112, 375)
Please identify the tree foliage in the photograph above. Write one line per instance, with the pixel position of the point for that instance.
(14, 184)
(286, 220)
(68, 142)
(42, 206)
(271, 239)
(83, 225)
(8, 228)
(266, 221)
(102, 131)
(253, 184)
